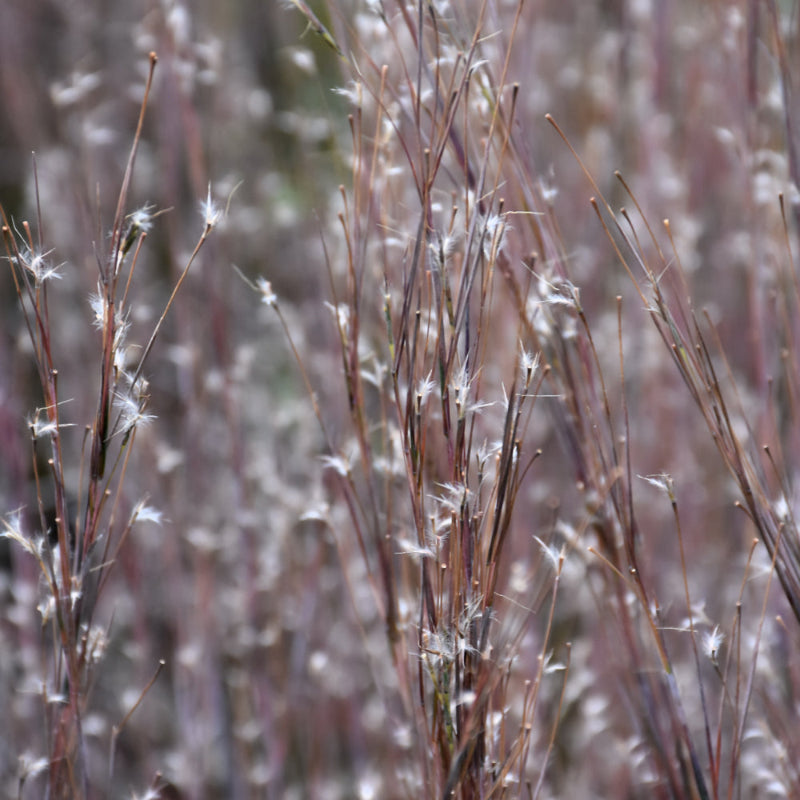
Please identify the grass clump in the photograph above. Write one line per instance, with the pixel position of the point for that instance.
(514, 512)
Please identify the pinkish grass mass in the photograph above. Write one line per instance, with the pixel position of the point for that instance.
(399, 399)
